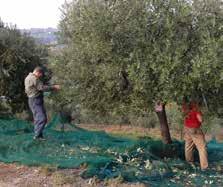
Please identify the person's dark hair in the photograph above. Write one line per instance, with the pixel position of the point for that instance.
(193, 105)
(39, 69)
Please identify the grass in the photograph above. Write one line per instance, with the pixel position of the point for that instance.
(48, 169)
(115, 182)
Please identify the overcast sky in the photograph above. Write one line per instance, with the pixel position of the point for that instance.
(31, 13)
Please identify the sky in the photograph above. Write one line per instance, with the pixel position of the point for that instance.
(26, 14)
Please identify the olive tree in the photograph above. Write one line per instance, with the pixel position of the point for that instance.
(128, 56)
(18, 56)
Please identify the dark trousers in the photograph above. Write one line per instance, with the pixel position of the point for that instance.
(36, 105)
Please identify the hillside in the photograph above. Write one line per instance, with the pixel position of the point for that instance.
(42, 35)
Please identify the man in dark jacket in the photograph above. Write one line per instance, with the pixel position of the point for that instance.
(34, 89)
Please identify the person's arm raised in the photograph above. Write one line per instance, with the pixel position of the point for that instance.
(47, 88)
(56, 87)
(199, 117)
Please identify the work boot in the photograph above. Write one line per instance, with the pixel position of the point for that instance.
(39, 138)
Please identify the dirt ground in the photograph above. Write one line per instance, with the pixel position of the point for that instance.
(15, 175)
(133, 131)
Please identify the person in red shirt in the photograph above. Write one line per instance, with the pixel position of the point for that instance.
(193, 135)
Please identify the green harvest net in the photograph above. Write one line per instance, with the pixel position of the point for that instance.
(143, 160)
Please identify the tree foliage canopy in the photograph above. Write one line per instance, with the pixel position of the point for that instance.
(18, 56)
(121, 56)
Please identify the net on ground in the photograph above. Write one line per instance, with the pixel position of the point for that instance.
(144, 160)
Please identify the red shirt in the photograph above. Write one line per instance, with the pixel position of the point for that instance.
(191, 119)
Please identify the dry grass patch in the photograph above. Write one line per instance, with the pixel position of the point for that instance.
(60, 178)
(47, 170)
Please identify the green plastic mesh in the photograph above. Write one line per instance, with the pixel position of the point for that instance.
(106, 156)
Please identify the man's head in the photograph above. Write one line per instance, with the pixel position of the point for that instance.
(38, 72)
(194, 105)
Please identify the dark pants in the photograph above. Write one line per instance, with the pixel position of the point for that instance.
(36, 105)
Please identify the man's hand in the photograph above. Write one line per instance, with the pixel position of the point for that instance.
(56, 87)
(199, 118)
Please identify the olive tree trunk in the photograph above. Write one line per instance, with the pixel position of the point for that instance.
(164, 128)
